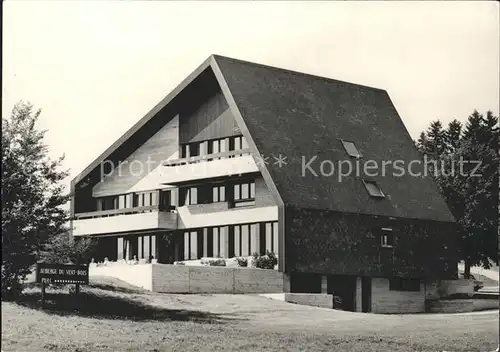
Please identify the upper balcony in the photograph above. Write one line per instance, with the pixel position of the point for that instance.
(235, 162)
(125, 220)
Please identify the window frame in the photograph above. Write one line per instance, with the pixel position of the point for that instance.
(387, 233)
(358, 156)
(366, 182)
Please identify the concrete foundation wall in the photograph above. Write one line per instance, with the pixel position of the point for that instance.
(387, 301)
(190, 279)
(322, 300)
(462, 305)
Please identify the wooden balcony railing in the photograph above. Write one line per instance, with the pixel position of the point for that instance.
(209, 157)
(126, 211)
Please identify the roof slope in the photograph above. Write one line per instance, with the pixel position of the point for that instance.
(301, 116)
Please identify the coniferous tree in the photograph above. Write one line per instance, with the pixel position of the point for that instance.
(471, 190)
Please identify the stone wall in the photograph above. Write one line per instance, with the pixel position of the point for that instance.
(387, 301)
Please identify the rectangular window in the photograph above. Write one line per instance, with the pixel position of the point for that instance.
(147, 199)
(351, 149)
(191, 245)
(121, 254)
(190, 149)
(400, 284)
(373, 189)
(188, 196)
(244, 194)
(269, 237)
(243, 243)
(387, 238)
(122, 201)
(219, 194)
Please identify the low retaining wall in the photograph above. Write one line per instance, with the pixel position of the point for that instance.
(387, 302)
(192, 279)
(446, 288)
(461, 305)
(322, 300)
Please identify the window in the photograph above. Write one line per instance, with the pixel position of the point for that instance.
(217, 146)
(387, 238)
(219, 194)
(189, 196)
(244, 240)
(192, 244)
(244, 194)
(351, 149)
(373, 189)
(268, 237)
(145, 199)
(215, 241)
(400, 284)
(190, 149)
(147, 247)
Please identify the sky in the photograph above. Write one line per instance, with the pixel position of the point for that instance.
(97, 67)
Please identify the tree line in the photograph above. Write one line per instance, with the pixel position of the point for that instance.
(468, 178)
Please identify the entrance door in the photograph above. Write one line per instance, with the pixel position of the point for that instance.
(366, 294)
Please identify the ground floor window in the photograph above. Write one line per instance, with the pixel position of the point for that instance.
(240, 240)
(269, 237)
(140, 247)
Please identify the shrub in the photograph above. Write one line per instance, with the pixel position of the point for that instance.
(217, 262)
(64, 250)
(267, 261)
(242, 261)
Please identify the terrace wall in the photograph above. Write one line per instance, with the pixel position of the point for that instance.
(194, 279)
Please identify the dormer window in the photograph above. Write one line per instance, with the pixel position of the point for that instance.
(373, 189)
(351, 149)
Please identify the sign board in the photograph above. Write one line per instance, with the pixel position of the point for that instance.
(62, 274)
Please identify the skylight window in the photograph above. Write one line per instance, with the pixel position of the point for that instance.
(351, 149)
(373, 189)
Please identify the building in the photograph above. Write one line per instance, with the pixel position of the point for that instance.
(243, 158)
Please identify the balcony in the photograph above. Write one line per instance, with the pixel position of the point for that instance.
(125, 220)
(235, 162)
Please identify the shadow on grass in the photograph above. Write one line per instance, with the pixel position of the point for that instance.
(104, 306)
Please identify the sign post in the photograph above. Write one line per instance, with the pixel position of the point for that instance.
(61, 274)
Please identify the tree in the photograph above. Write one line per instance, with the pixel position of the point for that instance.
(452, 136)
(32, 196)
(63, 249)
(472, 194)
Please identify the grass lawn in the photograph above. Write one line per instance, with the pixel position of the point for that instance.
(113, 316)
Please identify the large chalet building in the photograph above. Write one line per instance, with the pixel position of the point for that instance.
(238, 159)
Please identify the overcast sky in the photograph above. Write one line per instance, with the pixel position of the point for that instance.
(96, 67)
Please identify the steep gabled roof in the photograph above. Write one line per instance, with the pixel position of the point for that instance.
(301, 116)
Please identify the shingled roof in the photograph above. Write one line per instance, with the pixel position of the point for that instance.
(301, 116)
